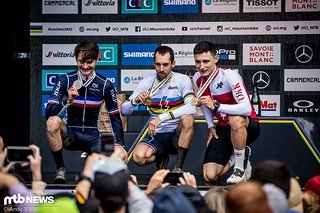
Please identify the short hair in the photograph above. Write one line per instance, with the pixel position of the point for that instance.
(162, 50)
(203, 47)
(273, 171)
(89, 48)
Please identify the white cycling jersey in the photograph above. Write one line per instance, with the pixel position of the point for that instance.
(169, 102)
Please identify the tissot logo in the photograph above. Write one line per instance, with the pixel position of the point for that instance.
(262, 78)
(303, 54)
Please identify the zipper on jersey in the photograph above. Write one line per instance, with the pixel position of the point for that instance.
(84, 108)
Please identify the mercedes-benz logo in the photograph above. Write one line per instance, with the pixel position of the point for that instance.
(262, 78)
(303, 54)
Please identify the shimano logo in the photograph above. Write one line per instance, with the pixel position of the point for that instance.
(138, 54)
(180, 2)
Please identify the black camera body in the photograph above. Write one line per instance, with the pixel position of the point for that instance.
(107, 143)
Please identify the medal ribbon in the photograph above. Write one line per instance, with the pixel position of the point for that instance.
(206, 84)
(154, 89)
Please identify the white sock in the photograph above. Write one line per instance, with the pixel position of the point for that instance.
(239, 158)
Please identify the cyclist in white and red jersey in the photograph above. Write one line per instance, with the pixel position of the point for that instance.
(171, 125)
(227, 98)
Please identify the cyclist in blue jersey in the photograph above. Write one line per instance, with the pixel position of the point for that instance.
(81, 94)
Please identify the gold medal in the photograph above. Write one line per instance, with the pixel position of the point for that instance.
(148, 101)
(194, 101)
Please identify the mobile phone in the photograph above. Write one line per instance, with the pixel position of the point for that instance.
(19, 154)
(106, 143)
(173, 178)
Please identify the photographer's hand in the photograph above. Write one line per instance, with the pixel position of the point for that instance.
(156, 181)
(6, 168)
(35, 163)
(188, 179)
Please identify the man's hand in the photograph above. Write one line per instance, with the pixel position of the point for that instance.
(140, 99)
(3, 156)
(212, 133)
(72, 93)
(156, 181)
(35, 163)
(120, 153)
(207, 101)
(188, 179)
(153, 124)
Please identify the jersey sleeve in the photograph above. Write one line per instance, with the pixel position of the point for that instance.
(127, 107)
(58, 96)
(240, 95)
(187, 108)
(110, 99)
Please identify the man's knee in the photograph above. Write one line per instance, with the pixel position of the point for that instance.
(140, 156)
(187, 121)
(236, 122)
(53, 123)
(210, 175)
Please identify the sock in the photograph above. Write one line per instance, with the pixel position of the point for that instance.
(181, 156)
(58, 158)
(239, 159)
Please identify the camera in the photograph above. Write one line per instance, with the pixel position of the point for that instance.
(107, 143)
(173, 178)
(19, 154)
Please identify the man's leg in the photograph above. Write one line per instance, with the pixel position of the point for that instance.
(212, 171)
(55, 128)
(185, 129)
(143, 155)
(238, 125)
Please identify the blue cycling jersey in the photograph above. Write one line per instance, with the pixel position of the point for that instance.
(85, 109)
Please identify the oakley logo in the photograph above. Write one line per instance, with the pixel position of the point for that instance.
(304, 54)
(262, 78)
(303, 104)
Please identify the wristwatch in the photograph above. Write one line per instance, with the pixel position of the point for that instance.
(84, 177)
(216, 105)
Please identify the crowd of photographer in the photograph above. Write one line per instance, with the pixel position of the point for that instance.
(106, 185)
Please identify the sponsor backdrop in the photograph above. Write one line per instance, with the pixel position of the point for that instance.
(275, 43)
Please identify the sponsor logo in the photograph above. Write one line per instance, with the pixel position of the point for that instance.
(59, 7)
(180, 6)
(108, 54)
(49, 78)
(100, 3)
(302, 106)
(262, 78)
(261, 54)
(220, 6)
(139, 6)
(171, 87)
(301, 80)
(238, 91)
(131, 78)
(303, 54)
(137, 54)
(226, 54)
(99, 6)
(251, 6)
(302, 5)
(270, 105)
